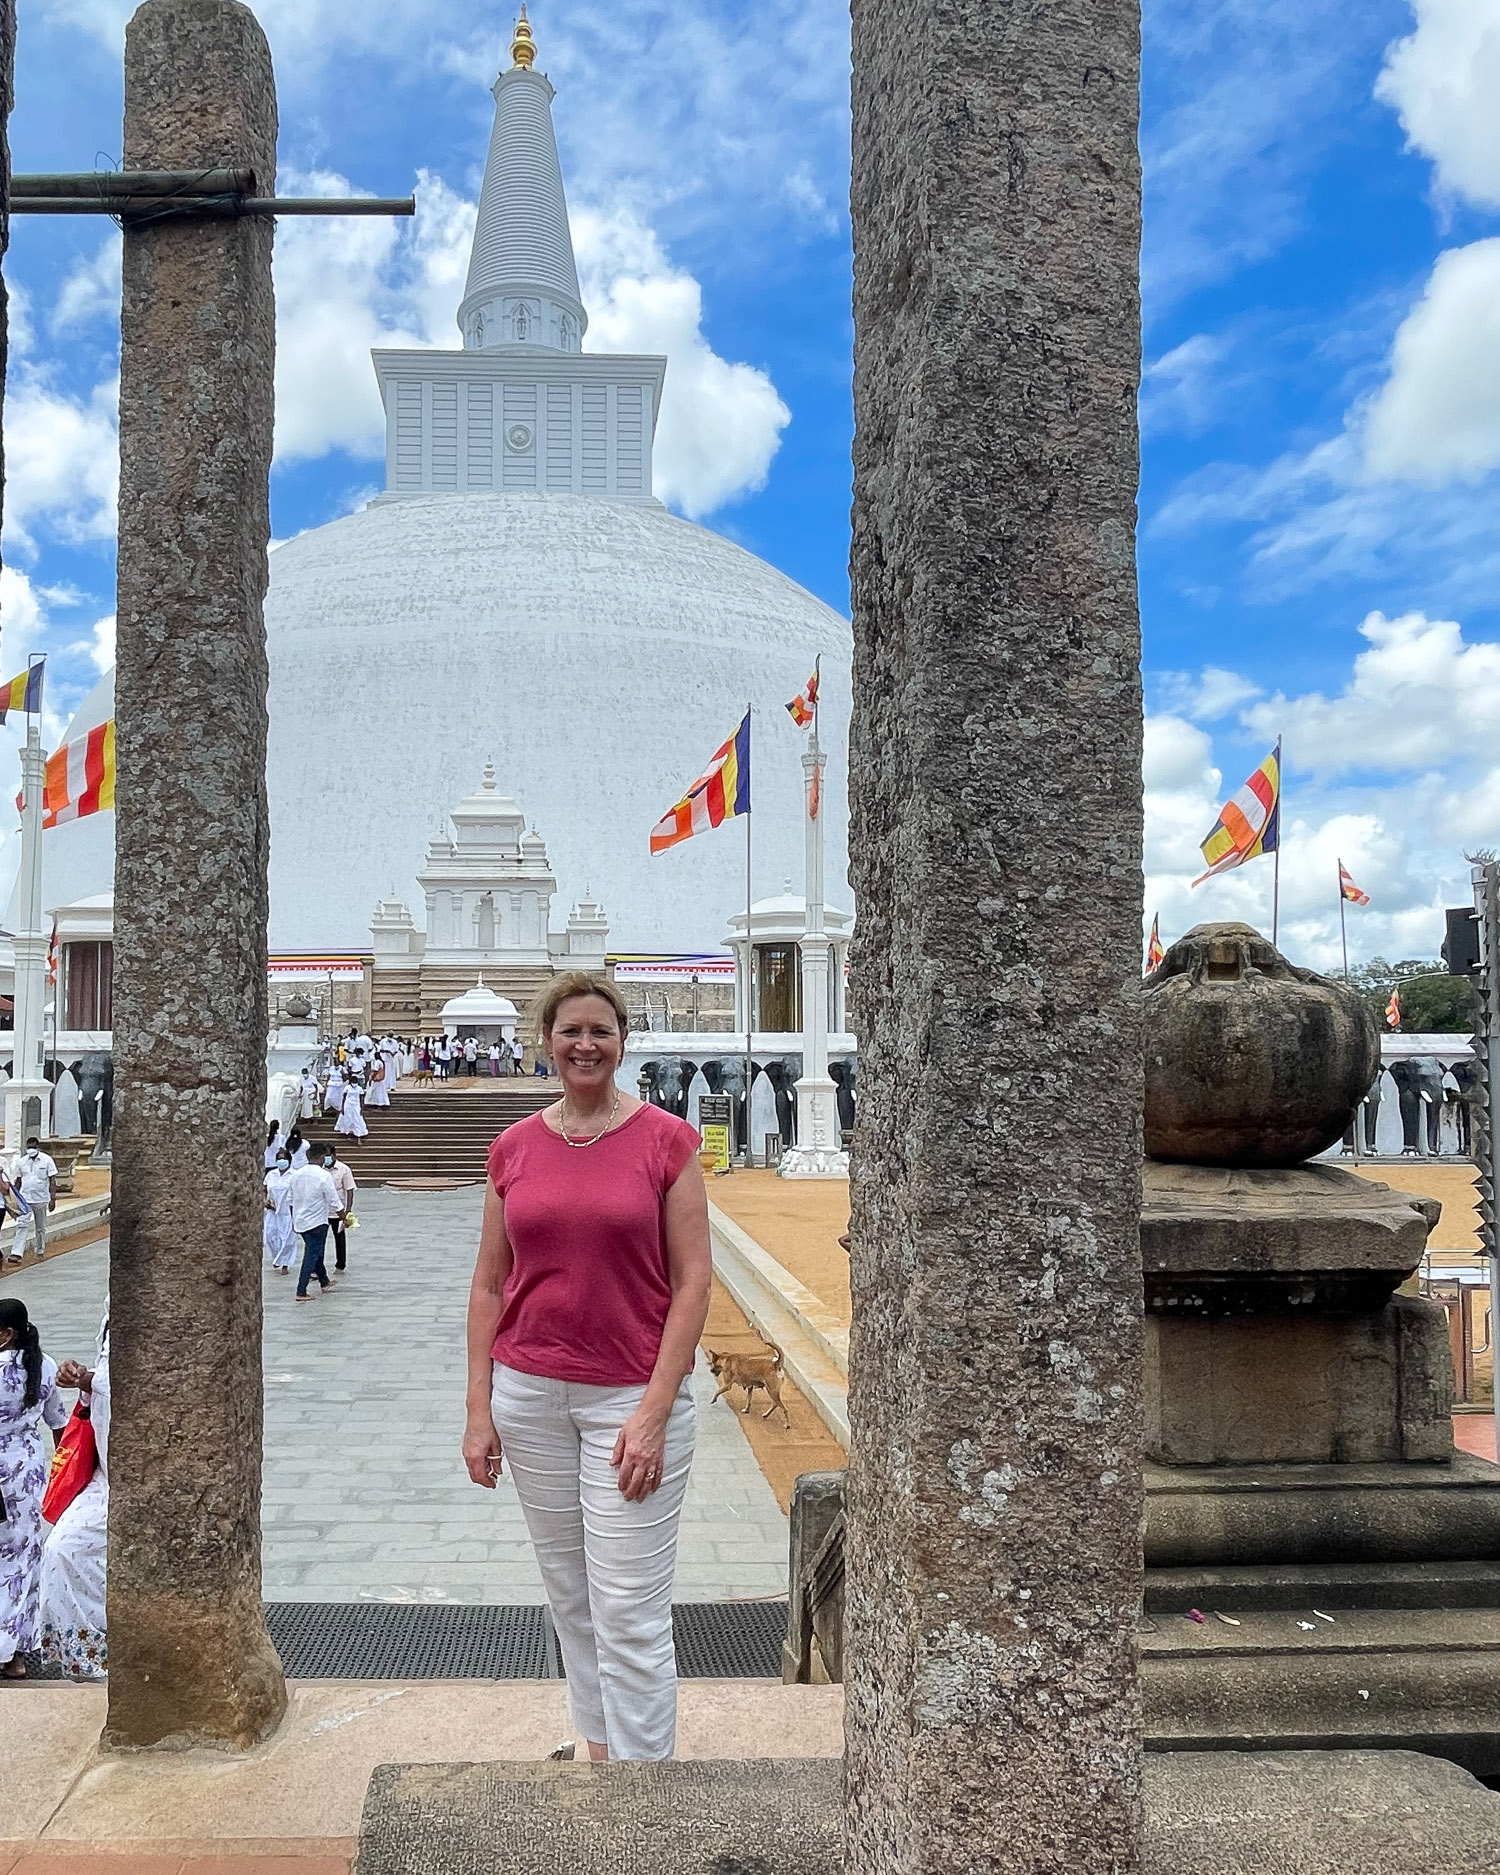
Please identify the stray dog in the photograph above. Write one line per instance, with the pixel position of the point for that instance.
(751, 1371)
(421, 1077)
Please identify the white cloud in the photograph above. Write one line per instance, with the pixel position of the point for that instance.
(1443, 81)
(92, 290)
(62, 461)
(1420, 697)
(1438, 413)
(720, 423)
(102, 650)
(1205, 697)
(1396, 773)
(1181, 388)
(344, 285)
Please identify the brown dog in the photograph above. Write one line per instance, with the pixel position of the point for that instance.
(751, 1371)
(421, 1077)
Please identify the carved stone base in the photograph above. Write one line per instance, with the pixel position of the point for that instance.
(813, 1162)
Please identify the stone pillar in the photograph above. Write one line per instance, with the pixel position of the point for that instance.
(994, 1543)
(190, 1660)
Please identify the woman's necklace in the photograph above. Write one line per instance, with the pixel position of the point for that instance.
(591, 1139)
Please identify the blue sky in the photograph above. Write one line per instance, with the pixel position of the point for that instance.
(1319, 545)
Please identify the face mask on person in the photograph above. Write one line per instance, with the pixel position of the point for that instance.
(31, 1152)
(282, 1162)
(328, 1161)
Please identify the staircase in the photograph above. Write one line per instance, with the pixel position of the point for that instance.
(438, 1134)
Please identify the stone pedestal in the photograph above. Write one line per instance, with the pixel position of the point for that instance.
(1304, 1494)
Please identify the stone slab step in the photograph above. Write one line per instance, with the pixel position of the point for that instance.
(1222, 1813)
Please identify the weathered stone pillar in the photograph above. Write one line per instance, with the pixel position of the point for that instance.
(190, 1661)
(7, 100)
(994, 1557)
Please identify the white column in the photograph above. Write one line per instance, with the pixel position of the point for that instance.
(818, 1152)
(27, 1081)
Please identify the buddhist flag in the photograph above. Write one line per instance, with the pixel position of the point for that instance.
(1154, 951)
(1350, 890)
(1249, 822)
(81, 777)
(804, 706)
(1393, 1010)
(23, 692)
(720, 792)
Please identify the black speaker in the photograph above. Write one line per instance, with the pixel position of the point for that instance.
(1461, 945)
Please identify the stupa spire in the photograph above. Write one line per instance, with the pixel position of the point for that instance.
(523, 283)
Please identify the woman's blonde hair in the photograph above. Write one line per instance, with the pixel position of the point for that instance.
(577, 983)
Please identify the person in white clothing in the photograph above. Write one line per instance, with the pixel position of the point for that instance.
(343, 1182)
(277, 1234)
(315, 1203)
(516, 1052)
(379, 1094)
(309, 1109)
(352, 1119)
(333, 1098)
(34, 1176)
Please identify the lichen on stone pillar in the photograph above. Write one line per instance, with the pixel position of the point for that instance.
(190, 1659)
(994, 1554)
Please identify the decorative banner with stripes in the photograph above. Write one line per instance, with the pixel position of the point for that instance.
(804, 706)
(1154, 951)
(81, 777)
(1249, 822)
(1350, 890)
(1393, 1010)
(720, 793)
(23, 692)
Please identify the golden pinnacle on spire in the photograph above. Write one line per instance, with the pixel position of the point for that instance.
(523, 46)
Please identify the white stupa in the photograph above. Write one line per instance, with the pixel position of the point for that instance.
(517, 595)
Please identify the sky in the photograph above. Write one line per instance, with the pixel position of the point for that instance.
(1319, 539)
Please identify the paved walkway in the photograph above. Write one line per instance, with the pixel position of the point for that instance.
(365, 1497)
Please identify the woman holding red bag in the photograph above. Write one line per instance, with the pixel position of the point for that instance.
(28, 1399)
(74, 1634)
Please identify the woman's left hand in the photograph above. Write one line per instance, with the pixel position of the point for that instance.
(640, 1453)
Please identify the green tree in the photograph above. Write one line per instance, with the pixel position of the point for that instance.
(1432, 1002)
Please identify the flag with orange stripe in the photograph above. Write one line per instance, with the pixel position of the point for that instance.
(81, 777)
(1154, 951)
(23, 692)
(720, 793)
(1249, 822)
(1349, 890)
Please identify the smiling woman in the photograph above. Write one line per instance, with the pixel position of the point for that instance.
(590, 1292)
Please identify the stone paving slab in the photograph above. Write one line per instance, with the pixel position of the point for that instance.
(1230, 1813)
(365, 1497)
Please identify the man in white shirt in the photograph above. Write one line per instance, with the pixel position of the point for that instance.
(343, 1183)
(516, 1052)
(34, 1175)
(315, 1201)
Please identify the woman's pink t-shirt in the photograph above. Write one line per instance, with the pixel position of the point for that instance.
(588, 1291)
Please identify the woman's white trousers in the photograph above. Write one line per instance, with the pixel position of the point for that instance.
(607, 1565)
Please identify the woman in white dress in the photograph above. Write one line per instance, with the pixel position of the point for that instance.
(28, 1399)
(273, 1144)
(73, 1630)
(379, 1091)
(277, 1234)
(351, 1120)
(309, 1108)
(333, 1098)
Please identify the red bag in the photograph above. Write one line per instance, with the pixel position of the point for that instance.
(73, 1464)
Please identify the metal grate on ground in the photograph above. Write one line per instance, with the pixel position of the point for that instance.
(487, 1641)
(411, 1641)
(729, 1640)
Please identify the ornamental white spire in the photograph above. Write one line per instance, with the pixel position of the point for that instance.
(523, 284)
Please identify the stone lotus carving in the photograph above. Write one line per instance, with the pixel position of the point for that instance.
(1250, 1061)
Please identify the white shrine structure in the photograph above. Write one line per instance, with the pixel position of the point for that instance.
(488, 888)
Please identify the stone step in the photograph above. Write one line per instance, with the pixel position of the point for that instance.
(1219, 1813)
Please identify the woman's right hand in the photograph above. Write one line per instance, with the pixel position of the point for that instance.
(481, 1449)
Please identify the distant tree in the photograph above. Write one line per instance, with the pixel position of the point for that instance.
(1432, 1002)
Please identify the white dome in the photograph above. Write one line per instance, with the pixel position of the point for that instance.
(481, 1007)
(597, 651)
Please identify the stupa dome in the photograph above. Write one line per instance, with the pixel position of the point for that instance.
(518, 597)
